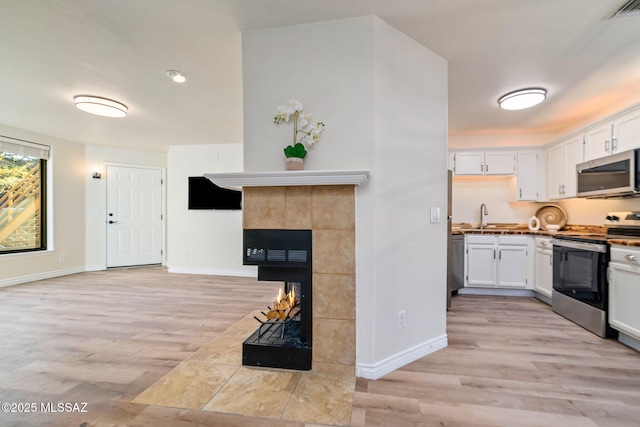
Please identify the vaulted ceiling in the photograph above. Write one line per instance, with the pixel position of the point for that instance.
(120, 49)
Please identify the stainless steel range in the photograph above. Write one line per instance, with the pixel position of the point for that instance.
(580, 262)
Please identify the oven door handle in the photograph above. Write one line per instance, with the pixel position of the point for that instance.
(585, 246)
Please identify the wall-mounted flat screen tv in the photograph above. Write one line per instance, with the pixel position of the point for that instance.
(204, 194)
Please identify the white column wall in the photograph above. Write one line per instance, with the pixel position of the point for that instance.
(382, 97)
(328, 67)
(410, 175)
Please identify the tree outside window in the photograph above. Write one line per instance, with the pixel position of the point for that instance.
(22, 202)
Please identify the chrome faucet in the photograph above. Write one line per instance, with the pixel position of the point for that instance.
(483, 212)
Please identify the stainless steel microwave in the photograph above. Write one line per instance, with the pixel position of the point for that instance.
(615, 176)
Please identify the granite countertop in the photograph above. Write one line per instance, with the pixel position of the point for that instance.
(523, 229)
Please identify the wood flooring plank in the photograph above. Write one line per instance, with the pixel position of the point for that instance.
(107, 336)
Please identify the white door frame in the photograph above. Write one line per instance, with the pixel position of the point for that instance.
(163, 174)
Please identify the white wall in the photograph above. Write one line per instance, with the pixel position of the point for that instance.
(203, 241)
(383, 100)
(495, 192)
(66, 253)
(483, 141)
(409, 169)
(95, 159)
(469, 193)
(328, 67)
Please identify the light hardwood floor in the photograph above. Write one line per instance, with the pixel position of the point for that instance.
(104, 337)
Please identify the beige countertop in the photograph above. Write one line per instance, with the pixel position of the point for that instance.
(522, 229)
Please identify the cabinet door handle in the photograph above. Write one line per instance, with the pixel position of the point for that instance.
(606, 146)
(551, 261)
(632, 258)
(521, 193)
(499, 255)
(494, 254)
(481, 166)
(614, 144)
(486, 167)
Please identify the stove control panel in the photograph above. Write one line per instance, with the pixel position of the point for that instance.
(623, 219)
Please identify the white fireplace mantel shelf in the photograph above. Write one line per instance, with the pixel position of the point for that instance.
(288, 178)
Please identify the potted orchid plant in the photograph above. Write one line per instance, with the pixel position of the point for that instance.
(305, 134)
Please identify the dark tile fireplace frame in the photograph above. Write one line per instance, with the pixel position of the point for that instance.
(281, 256)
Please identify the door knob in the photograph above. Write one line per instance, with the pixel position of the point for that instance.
(112, 222)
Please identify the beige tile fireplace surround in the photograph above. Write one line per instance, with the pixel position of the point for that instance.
(213, 378)
(329, 212)
(322, 201)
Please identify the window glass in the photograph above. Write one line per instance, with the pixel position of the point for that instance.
(22, 202)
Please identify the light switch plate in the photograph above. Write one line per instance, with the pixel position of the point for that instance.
(435, 215)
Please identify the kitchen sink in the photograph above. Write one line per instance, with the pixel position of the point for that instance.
(491, 226)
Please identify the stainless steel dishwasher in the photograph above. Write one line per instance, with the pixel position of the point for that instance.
(456, 266)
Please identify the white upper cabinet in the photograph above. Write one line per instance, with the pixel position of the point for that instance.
(575, 155)
(499, 163)
(613, 136)
(556, 161)
(562, 161)
(598, 142)
(626, 132)
(530, 176)
(468, 163)
(484, 163)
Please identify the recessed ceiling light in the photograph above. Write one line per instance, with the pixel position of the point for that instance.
(100, 106)
(177, 76)
(523, 98)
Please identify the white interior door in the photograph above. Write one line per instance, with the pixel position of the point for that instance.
(134, 216)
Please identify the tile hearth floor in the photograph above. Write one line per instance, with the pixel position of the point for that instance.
(213, 379)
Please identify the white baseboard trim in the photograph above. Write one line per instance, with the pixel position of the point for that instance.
(213, 272)
(390, 364)
(94, 268)
(545, 299)
(497, 292)
(629, 341)
(40, 276)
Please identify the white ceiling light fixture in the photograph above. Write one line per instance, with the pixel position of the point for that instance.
(177, 76)
(523, 98)
(100, 106)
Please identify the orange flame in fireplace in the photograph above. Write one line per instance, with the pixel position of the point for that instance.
(284, 305)
(285, 301)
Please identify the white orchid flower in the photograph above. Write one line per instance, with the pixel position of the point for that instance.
(303, 131)
(303, 120)
(317, 129)
(312, 138)
(295, 105)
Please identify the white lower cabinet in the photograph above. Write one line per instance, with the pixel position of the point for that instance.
(543, 266)
(624, 290)
(481, 265)
(497, 261)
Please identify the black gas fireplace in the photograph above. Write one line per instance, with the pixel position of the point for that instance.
(284, 335)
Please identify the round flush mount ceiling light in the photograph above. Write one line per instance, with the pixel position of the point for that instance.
(177, 76)
(100, 106)
(523, 98)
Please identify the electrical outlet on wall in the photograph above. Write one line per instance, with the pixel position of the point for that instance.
(402, 319)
